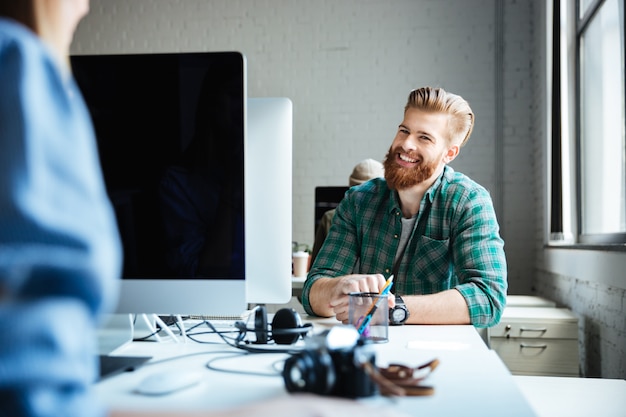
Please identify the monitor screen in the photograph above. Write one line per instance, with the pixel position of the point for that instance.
(172, 138)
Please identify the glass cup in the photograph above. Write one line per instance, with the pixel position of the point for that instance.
(369, 313)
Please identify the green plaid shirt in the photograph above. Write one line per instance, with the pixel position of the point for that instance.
(457, 246)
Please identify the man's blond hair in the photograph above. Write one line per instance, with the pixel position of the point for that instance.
(461, 117)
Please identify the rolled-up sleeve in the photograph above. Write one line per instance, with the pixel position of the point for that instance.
(479, 259)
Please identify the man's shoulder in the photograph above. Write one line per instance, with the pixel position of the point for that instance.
(457, 182)
(459, 190)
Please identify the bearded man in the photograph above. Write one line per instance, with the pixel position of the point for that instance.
(434, 229)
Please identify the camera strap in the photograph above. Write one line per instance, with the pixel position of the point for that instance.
(400, 380)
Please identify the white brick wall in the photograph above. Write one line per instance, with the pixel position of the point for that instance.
(347, 65)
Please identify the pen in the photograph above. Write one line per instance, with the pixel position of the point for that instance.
(368, 317)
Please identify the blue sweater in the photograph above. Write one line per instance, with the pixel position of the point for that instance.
(60, 256)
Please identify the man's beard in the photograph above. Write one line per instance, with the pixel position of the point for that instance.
(400, 178)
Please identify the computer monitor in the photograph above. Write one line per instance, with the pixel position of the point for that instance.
(201, 194)
(268, 200)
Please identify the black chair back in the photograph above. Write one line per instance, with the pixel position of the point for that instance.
(327, 198)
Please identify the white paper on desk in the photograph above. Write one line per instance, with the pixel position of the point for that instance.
(436, 345)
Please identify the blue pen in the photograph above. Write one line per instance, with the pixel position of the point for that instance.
(368, 317)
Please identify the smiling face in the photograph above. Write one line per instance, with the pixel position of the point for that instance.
(420, 149)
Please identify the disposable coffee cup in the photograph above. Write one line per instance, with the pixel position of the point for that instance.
(300, 264)
(369, 313)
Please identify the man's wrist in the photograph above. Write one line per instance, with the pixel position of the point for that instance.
(321, 291)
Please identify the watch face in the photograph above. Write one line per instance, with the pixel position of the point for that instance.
(398, 315)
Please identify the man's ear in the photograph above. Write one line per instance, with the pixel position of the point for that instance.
(452, 153)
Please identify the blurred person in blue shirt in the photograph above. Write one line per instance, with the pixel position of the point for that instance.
(60, 254)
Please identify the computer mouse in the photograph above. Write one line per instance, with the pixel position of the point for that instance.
(168, 381)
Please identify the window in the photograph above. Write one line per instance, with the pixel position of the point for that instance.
(589, 146)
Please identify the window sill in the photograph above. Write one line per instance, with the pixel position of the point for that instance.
(608, 247)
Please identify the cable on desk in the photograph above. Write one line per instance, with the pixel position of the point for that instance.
(147, 337)
(210, 365)
(222, 334)
(239, 342)
(244, 351)
(187, 355)
(168, 321)
(172, 321)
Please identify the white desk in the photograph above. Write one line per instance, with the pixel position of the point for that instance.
(574, 397)
(471, 380)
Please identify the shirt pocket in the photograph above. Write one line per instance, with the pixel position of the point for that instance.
(432, 264)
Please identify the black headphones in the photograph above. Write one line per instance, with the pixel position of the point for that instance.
(286, 327)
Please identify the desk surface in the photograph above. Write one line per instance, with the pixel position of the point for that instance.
(574, 397)
(471, 380)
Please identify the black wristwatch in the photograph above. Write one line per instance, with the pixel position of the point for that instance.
(399, 314)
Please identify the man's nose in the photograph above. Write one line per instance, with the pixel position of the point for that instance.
(409, 143)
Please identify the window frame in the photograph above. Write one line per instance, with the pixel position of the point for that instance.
(566, 76)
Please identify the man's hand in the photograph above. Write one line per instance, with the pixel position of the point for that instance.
(329, 296)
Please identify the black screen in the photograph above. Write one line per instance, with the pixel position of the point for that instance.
(170, 132)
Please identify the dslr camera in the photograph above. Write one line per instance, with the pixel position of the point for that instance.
(331, 364)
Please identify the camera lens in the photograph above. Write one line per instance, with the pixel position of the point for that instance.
(309, 371)
(296, 378)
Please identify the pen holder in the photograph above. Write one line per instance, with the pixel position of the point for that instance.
(369, 313)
